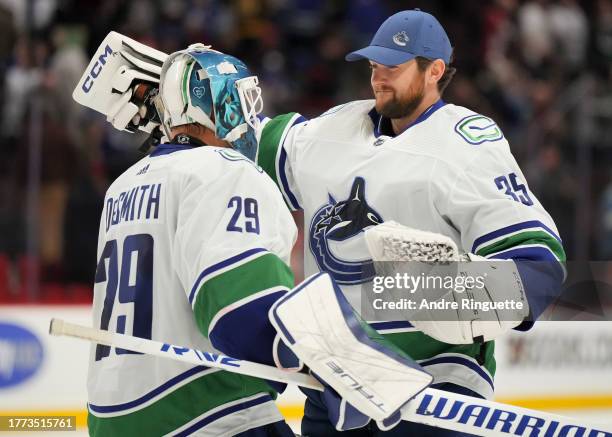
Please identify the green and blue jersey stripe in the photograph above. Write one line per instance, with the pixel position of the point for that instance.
(272, 156)
(176, 407)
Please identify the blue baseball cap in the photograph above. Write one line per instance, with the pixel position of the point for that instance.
(404, 36)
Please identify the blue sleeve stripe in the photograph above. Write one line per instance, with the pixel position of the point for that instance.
(156, 392)
(300, 119)
(241, 258)
(533, 253)
(462, 361)
(282, 161)
(245, 331)
(291, 199)
(512, 229)
(211, 416)
(254, 299)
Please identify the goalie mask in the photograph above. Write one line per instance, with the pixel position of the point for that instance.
(201, 85)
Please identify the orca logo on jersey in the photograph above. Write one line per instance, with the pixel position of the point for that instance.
(340, 221)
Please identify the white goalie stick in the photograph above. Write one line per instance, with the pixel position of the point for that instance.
(180, 353)
(431, 407)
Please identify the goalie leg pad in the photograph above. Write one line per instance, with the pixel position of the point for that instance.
(319, 325)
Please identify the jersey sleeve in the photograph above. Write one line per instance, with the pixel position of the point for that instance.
(276, 154)
(498, 217)
(233, 242)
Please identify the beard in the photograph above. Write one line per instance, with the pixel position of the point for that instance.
(398, 107)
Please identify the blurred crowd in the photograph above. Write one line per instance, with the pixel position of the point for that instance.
(541, 68)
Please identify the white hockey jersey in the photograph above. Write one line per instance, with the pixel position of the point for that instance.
(450, 172)
(175, 224)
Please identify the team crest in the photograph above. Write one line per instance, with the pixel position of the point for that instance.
(340, 221)
(477, 129)
(401, 38)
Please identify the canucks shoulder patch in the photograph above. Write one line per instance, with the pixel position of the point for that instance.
(233, 155)
(477, 129)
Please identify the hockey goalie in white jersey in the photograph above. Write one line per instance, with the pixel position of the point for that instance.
(185, 233)
(409, 157)
(193, 249)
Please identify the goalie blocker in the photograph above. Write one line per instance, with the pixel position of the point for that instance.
(321, 328)
(109, 82)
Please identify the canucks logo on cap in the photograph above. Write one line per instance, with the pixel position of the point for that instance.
(401, 38)
(337, 223)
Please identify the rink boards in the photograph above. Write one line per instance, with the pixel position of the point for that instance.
(558, 366)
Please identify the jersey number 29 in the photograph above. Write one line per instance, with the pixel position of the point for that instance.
(134, 281)
(247, 207)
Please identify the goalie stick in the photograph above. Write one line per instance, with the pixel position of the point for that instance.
(431, 407)
(181, 353)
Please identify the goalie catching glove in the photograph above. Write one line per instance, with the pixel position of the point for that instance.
(480, 309)
(365, 376)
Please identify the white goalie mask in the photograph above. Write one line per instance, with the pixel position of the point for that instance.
(201, 85)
